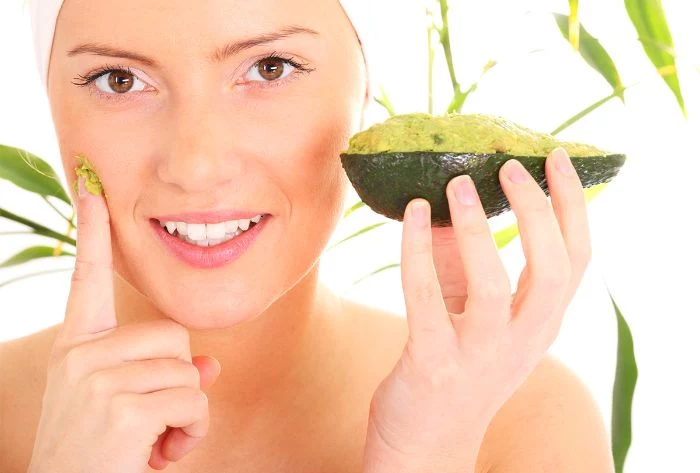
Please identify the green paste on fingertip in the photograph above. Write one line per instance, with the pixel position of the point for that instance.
(92, 181)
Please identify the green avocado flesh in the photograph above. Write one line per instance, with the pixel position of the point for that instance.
(416, 155)
(92, 181)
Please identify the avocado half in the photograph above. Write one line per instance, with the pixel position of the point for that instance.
(416, 155)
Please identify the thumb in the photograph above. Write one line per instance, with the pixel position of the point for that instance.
(209, 370)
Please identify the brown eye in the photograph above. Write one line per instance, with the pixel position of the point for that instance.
(271, 69)
(120, 81)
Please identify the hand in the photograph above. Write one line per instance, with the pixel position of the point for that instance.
(471, 344)
(116, 398)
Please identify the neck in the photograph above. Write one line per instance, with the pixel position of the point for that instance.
(286, 358)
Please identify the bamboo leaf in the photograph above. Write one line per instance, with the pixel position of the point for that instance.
(359, 232)
(385, 102)
(30, 172)
(508, 234)
(377, 271)
(352, 209)
(649, 20)
(623, 391)
(32, 253)
(593, 53)
(573, 25)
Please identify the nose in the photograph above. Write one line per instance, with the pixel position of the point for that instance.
(199, 154)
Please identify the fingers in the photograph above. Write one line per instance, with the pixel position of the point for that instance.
(133, 342)
(425, 310)
(488, 286)
(90, 307)
(142, 377)
(183, 408)
(569, 203)
(548, 268)
(177, 443)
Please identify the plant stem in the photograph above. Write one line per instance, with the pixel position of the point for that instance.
(447, 47)
(16, 233)
(38, 229)
(59, 247)
(431, 64)
(10, 281)
(385, 102)
(587, 110)
(57, 211)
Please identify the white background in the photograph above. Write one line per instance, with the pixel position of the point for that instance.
(645, 246)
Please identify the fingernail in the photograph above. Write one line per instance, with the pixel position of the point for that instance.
(516, 172)
(82, 191)
(419, 213)
(562, 162)
(466, 192)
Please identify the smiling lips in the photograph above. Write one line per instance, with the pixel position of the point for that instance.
(202, 245)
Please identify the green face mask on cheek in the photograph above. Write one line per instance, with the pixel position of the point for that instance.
(92, 181)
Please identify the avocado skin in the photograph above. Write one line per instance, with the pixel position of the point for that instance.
(387, 182)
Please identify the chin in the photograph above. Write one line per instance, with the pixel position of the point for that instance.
(216, 314)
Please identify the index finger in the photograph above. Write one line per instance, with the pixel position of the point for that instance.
(90, 307)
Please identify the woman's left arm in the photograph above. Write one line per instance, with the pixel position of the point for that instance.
(473, 343)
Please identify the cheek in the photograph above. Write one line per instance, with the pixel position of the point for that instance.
(315, 174)
(113, 146)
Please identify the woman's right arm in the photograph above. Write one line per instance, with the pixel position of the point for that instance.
(117, 398)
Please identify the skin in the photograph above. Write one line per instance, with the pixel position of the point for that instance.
(206, 145)
(191, 144)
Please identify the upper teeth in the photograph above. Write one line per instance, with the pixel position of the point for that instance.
(209, 231)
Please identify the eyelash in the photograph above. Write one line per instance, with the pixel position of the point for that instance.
(87, 79)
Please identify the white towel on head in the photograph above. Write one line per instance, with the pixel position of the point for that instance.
(42, 17)
(44, 13)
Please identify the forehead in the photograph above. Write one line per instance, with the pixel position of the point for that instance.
(191, 23)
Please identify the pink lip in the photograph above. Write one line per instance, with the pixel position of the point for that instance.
(208, 217)
(209, 256)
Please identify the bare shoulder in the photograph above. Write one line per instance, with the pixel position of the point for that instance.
(22, 380)
(551, 423)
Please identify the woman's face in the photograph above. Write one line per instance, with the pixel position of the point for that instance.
(197, 127)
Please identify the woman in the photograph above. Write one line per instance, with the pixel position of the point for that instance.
(211, 352)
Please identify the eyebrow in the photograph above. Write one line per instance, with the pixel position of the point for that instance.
(219, 55)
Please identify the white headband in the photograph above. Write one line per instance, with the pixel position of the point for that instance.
(44, 13)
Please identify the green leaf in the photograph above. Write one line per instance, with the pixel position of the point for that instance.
(32, 253)
(623, 391)
(574, 25)
(505, 236)
(359, 232)
(30, 172)
(593, 53)
(356, 206)
(377, 271)
(649, 20)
